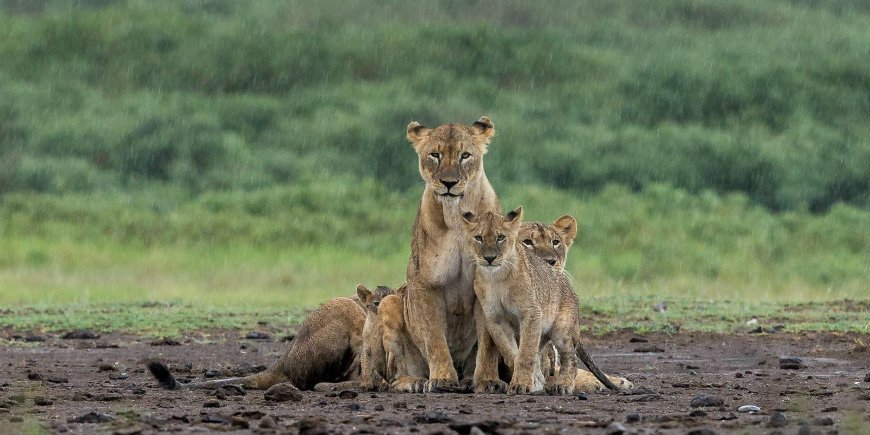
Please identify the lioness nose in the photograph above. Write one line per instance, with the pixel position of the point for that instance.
(489, 258)
(550, 261)
(448, 184)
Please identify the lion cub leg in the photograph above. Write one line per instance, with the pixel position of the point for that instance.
(486, 379)
(527, 360)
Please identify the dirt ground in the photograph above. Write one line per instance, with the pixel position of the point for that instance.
(98, 385)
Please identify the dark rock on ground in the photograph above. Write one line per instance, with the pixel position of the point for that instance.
(92, 417)
(282, 393)
(348, 394)
(706, 400)
(258, 336)
(313, 426)
(106, 368)
(791, 363)
(41, 401)
(211, 404)
(777, 419)
(648, 349)
(702, 431)
(432, 417)
(80, 334)
(697, 413)
(165, 342)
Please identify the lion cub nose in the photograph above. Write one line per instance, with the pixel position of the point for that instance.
(448, 184)
(489, 258)
(550, 261)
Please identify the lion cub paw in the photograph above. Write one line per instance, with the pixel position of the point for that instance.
(490, 386)
(408, 384)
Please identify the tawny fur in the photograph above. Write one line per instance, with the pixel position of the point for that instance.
(439, 303)
(521, 295)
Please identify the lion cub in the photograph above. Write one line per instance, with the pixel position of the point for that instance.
(549, 242)
(373, 365)
(522, 295)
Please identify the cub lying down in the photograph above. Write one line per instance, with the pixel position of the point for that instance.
(521, 295)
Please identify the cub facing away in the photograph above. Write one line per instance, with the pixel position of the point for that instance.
(522, 295)
(384, 338)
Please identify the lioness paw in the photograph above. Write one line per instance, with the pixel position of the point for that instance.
(408, 384)
(560, 389)
(492, 386)
(518, 388)
(442, 386)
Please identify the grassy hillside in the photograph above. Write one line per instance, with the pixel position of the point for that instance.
(206, 151)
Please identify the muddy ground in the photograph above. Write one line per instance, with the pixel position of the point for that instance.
(87, 385)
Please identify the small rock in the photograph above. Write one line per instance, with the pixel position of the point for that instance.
(80, 334)
(258, 336)
(400, 405)
(211, 404)
(267, 422)
(476, 431)
(41, 401)
(702, 431)
(57, 380)
(632, 418)
(34, 338)
(355, 407)
(213, 418)
(92, 417)
(638, 340)
(777, 419)
(831, 409)
(791, 363)
(212, 373)
(823, 421)
(165, 342)
(697, 413)
(312, 426)
(431, 417)
(805, 429)
(348, 394)
(867, 377)
(648, 349)
(661, 307)
(749, 408)
(705, 400)
(615, 428)
(728, 416)
(34, 376)
(106, 368)
(379, 407)
(119, 376)
(581, 396)
(239, 422)
(282, 393)
(738, 375)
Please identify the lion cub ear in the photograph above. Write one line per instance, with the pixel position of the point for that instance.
(566, 226)
(515, 215)
(364, 293)
(402, 289)
(416, 132)
(483, 130)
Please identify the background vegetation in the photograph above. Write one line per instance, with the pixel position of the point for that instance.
(211, 151)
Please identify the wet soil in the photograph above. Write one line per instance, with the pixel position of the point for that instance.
(98, 384)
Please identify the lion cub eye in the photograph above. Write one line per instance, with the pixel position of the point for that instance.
(478, 238)
(465, 155)
(436, 156)
(528, 242)
(556, 242)
(500, 238)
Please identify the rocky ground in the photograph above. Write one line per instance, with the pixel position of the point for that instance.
(688, 383)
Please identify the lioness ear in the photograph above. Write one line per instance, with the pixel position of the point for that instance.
(483, 130)
(468, 217)
(566, 226)
(416, 132)
(363, 293)
(515, 215)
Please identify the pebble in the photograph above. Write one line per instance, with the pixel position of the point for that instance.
(258, 336)
(632, 418)
(615, 428)
(92, 417)
(476, 431)
(697, 413)
(777, 419)
(702, 431)
(867, 377)
(267, 422)
(791, 363)
(749, 408)
(41, 401)
(348, 394)
(704, 400)
(823, 421)
(211, 404)
(81, 334)
(379, 407)
(106, 368)
(282, 393)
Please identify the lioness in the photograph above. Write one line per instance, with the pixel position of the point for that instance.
(519, 294)
(326, 349)
(439, 305)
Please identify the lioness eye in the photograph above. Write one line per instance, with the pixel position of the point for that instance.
(500, 238)
(528, 242)
(435, 156)
(465, 155)
(478, 238)
(555, 242)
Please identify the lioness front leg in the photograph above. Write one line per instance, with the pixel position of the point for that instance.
(523, 380)
(428, 315)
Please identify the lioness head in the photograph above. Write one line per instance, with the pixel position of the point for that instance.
(550, 242)
(371, 299)
(492, 236)
(451, 155)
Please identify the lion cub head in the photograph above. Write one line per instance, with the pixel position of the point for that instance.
(492, 236)
(550, 242)
(371, 299)
(451, 155)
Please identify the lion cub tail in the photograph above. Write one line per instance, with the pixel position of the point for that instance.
(262, 380)
(581, 352)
